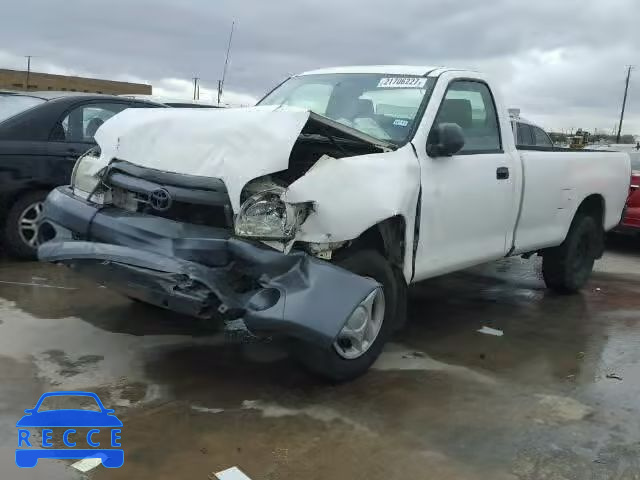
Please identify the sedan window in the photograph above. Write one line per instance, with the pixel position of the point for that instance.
(81, 123)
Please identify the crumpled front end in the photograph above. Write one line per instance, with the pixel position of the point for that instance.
(234, 214)
(200, 270)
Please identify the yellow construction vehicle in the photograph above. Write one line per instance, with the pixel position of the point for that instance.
(579, 141)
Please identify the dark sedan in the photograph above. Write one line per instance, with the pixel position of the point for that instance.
(42, 134)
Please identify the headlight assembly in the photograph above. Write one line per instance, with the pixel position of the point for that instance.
(85, 177)
(265, 216)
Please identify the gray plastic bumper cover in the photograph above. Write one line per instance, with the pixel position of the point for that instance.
(295, 295)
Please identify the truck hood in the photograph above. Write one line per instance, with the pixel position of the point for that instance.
(235, 145)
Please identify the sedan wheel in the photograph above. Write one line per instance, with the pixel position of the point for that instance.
(28, 224)
(21, 224)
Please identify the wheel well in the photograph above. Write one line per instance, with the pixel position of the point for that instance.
(8, 199)
(387, 238)
(592, 206)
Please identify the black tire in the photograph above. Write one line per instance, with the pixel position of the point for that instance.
(13, 239)
(327, 363)
(566, 268)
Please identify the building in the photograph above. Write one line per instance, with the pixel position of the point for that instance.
(16, 80)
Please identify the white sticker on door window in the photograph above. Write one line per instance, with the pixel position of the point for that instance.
(402, 82)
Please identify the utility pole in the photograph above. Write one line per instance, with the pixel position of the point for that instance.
(624, 102)
(28, 57)
(195, 86)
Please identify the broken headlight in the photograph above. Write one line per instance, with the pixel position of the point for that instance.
(85, 177)
(267, 217)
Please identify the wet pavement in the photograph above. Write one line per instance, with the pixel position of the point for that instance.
(555, 397)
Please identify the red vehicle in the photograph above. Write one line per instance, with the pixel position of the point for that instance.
(631, 220)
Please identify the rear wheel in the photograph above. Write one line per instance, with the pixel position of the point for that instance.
(21, 225)
(366, 331)
(566, 268)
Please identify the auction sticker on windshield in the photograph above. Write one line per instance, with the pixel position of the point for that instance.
(402, 82)
(69, 433)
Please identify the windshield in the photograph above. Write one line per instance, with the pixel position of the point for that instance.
(383, 106)
(11, 105)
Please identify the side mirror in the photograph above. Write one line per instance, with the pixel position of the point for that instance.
(445, 140)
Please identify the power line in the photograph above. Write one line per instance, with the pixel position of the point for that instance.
(624, 102)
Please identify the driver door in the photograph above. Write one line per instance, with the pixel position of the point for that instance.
(467, 197)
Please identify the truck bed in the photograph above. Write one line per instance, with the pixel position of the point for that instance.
(554, 183)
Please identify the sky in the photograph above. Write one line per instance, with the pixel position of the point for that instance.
(562, 62)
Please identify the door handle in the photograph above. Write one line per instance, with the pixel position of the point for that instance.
(502, 173)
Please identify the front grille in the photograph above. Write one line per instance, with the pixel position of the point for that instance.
(192, 199)
(207, 215)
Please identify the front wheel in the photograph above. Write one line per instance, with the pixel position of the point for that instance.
(363, 336)
(21, 225)
(567, 268)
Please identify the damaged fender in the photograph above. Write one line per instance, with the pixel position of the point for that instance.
(352, 194)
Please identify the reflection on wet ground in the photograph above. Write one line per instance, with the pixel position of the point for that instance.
(554, 397)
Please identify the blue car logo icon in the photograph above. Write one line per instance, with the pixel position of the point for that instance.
(68, 418)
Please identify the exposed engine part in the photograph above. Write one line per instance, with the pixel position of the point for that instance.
(324, 251)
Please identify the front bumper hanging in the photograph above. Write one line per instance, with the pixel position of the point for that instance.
(201, 271)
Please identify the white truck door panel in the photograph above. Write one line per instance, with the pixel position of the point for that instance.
(467, 204)
(464, 212)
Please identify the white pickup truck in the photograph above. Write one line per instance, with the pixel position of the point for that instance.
(308, 215)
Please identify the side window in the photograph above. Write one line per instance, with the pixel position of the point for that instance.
(541, 138)
(81, 123)
(524, 137)
(470, 105)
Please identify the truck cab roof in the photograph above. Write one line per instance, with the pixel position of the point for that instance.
(421, 70)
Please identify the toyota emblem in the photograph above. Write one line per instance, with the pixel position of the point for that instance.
(160, 200)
